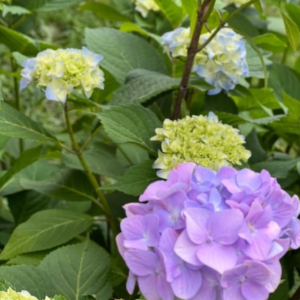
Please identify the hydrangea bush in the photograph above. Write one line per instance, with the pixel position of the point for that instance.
(149, 150)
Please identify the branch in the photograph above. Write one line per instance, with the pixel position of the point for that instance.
(222, 23)
(192, 51)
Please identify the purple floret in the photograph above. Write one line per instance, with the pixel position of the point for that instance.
(205, 235)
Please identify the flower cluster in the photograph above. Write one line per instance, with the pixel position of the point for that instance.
(199, 139)
(222, 63)
(10, 294)
(209, 235)
(144, 6)
(60, 71)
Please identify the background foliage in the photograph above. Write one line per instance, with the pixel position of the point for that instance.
(51, 223)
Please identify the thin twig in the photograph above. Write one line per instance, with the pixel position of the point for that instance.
(192, 51)
(103, 204)
(222, 23)
(89, 139)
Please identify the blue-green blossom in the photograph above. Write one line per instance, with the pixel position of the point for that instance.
(222, 63)
(60, 71)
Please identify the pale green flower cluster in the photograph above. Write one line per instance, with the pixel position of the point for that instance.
(60, 71)
(144, 6)
(10, 294)
(199, 139)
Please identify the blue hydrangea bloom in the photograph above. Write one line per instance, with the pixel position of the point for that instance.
(226, 61)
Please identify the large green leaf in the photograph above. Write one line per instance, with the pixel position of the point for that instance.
(130, 124)
(132, 27)
(105, 12)
(282, 79)
(143, 85)
(14, 10)
(258, 154)
(66, 184)
(123, 52)
(79, 271)
(24, 44)
(292, 31)
(46, 5)
(26, 203)
(100, 158)
(17, 125)
(136, 179)
(30, 278)
(172, 11)
(45, 230)
(294, 12)
(27, 158)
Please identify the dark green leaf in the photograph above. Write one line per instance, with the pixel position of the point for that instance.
(45, 230)
(136, 179)
(79, 270)
(15, 124)
(123, 52)
(130, 124)
(104, 11)
(67, 185)
(258, 154)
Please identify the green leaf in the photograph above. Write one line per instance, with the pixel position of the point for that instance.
(66, 184)
(30, 278)
(49, 5)
(104, 12)
(292, 31)
(4, 285)
(26, 203)
(258, 154)
(15, 124)
(254, 61)
(123, 52)
(14, 10)
(136, 179)
(79, 270)
(27, 158)
(45, 230)
(235, 120)
(269, 39)
(143, 85)
(132, 27)
(100, 158)
(33, 259)
(294, 12)
(24, 44)
(277, 168)
(173, 12)
(282, 79)
(130, 124)
(20, 58)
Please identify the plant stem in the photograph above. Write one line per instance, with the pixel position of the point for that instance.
(192, 51)
(89, 139)
(17, 95)
(222, 23)
(103, 202)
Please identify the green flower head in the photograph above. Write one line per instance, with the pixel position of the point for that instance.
(199, 139)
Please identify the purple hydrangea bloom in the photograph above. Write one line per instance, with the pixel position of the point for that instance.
(205, 235)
